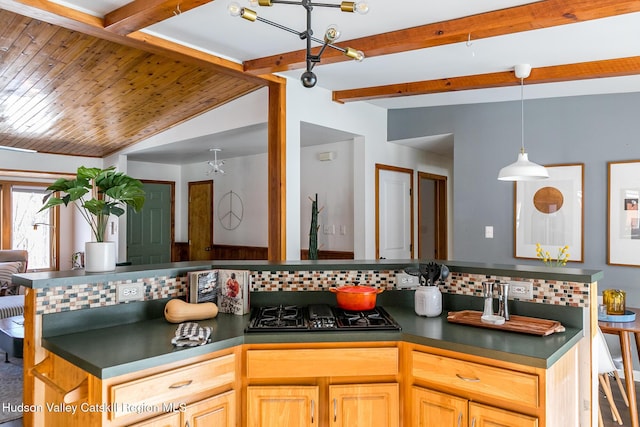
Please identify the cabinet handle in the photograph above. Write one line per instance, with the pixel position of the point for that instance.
(181, 384)
(335, 410)
(313, 409)
(473, 422)
(471, 380)
(460, 419)
(186, 423)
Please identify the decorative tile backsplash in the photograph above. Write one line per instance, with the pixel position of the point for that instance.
(67, 298)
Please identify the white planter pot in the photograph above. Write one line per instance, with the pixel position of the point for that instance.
(99, 257)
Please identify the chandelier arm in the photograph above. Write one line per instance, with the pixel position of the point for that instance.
(287, 2)
(325, 5)
(282, 27)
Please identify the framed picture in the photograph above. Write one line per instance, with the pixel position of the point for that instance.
(551, 212)
(623, 221)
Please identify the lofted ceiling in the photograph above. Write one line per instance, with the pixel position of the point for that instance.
(90, 78)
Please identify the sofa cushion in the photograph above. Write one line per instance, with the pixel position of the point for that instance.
(6, 270)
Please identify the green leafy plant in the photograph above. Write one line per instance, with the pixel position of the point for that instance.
(97, 193)
(560, 260)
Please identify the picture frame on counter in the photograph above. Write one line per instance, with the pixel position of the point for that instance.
(623, 216)
(550, 212)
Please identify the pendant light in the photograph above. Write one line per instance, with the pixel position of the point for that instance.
(522, 169)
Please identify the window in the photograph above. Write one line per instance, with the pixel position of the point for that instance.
(23, 227)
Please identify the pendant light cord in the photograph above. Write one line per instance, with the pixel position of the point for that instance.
(522, 114)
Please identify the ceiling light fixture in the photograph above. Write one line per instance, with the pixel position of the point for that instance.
(522, 169)
(332, 33)
(215, 164)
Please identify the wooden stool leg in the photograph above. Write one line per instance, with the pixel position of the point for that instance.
(600, 422)
(621, 387)
(607, 392)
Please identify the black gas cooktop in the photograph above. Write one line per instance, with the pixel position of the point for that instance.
(318, 317)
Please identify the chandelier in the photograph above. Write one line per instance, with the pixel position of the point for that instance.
(332, 33)
(215, 165)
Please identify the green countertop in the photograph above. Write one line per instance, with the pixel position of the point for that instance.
(120, 349)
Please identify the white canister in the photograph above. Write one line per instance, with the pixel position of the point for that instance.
(428, 301)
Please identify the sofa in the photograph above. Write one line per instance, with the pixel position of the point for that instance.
(12, 261)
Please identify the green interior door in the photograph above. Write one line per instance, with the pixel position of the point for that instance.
(149, 231)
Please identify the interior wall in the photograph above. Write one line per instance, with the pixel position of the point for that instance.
(315, 106)
(587, 129)
(332, 181)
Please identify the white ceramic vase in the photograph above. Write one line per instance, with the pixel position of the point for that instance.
(99, 257)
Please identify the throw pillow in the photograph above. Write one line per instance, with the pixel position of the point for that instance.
(6, 270)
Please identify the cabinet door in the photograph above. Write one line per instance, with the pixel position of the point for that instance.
(218, 411)
(433, 409)
(487, 416)
(167, 420)
(282, 406)
(364, 405)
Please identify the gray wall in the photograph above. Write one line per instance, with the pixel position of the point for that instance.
(588, 129)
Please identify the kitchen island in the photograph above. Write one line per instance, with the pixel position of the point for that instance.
(121, 341)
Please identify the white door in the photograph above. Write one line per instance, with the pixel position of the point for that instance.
(394, 213)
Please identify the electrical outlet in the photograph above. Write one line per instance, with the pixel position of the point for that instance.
(404, 280)
(521, 290)
(129, 292)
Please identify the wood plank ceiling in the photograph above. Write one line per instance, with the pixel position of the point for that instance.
(65, 92)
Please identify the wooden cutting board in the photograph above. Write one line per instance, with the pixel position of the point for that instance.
(522, 324)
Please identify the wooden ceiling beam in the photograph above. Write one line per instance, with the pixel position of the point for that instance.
(553, 74)
(533, 16)
(140, 14)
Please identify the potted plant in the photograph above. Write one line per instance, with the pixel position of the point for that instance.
(98, 194)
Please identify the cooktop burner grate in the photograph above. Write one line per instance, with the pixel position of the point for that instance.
(318, 317)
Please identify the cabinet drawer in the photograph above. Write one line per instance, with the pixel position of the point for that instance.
(296, 363)
(475, 379)
(149, 393)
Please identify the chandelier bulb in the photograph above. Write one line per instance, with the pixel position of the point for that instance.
(254, 3)
(361, 7)
(332, 34)
(352, 53)
(234, 9)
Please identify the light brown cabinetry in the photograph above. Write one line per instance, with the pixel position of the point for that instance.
(218, 411)
(285, 406)
(324, 387)
(434, 409)
(449, 389)
(199, 391)
(374, 405)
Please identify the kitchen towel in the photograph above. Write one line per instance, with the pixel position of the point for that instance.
(190, 334)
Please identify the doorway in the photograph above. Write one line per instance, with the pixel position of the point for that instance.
(394, 212)
(432, 216)
(200, 220)
(150, 232)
